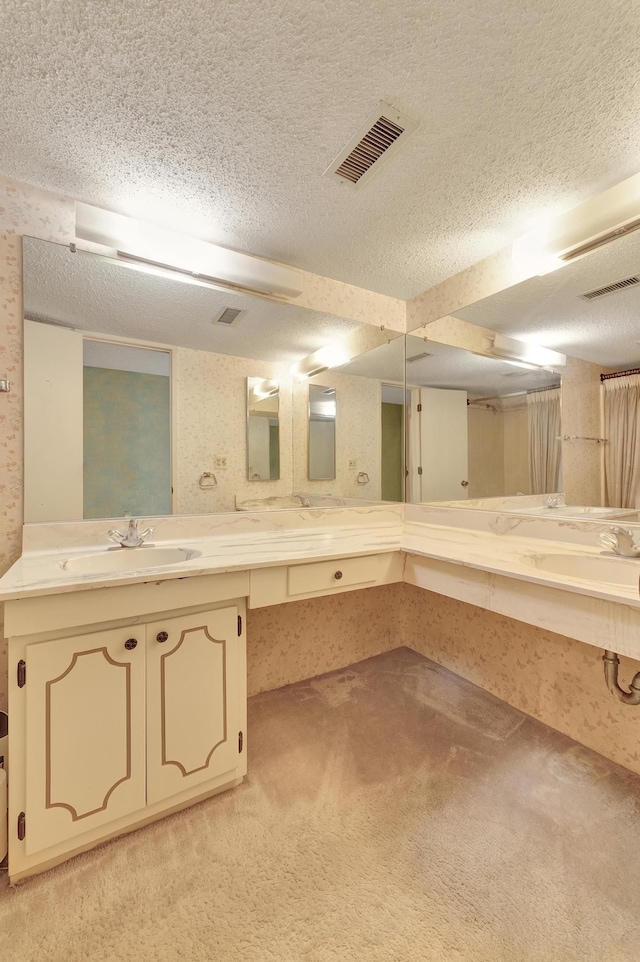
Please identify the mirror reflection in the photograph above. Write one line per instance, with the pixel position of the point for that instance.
(588, 309)
(263, 429)
(201, 441)
(322, 432)
(479, 427)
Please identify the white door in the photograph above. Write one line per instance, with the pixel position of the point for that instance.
(193, 701)
(444, 445)
(85, 760)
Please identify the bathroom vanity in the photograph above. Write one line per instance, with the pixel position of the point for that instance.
(128, 688)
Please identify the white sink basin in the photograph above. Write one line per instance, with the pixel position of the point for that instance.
(127, 559)
(604, 569)
(580, 511)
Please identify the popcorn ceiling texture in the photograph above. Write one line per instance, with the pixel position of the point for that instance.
(234, 117)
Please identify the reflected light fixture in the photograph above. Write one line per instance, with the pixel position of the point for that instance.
(331, 355)
(597, 221)
(524, 354)
(136, 241)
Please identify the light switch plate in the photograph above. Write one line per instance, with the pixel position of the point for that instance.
(353, 464)
(221, 461)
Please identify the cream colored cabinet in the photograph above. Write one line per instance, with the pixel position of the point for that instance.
(315, 579)
(85, 755)
(115, 724)
(194, 717)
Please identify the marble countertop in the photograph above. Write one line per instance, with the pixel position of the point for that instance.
(503, 552)
(44, 573)
(519, 557)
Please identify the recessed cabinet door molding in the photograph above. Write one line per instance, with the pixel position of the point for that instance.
(193, 707)
(85, 762)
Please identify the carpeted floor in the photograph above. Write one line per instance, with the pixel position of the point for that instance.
(392, 812)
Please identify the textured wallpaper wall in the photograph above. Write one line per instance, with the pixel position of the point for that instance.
(211, 421)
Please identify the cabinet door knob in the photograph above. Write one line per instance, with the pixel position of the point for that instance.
(130, 644)
(162, 636)
(338, 575)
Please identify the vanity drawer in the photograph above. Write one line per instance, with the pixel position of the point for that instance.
(324, 575)
(275, 586)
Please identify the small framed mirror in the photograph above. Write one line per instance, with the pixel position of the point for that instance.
(263, 429)
(322, 433)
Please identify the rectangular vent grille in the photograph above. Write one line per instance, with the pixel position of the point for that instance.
(611, 288)
(228, 316)
(381, 133)
(418, 357)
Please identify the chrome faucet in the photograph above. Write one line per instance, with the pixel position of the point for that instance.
(553, 502)
(134, 536)
(620, 541)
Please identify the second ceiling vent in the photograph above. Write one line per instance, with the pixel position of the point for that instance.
(611, 288)
(384, 130)
(228, 316)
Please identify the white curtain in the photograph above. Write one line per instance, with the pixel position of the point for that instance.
(622, 431)
(544, 447)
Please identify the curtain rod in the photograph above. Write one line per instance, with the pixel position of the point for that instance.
(633, 370)
(498, 397)
(537, 390)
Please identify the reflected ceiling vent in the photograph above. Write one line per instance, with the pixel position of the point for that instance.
(384, 130)
(611, 288)
(228, 316)
(418, 357)
(330, 390)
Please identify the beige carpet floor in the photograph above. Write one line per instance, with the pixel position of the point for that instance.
(393, 812)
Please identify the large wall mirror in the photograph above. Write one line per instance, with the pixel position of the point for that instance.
(588, 310)
(146, 394)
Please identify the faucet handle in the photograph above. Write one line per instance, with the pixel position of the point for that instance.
(116, 536)
(607, 539)
(147, 533)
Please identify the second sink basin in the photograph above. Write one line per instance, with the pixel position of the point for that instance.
(612, 571)
(128, 559)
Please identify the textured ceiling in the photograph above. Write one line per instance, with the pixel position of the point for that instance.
(453, 368)
(548, 310)
(221, 118)
(97, 295)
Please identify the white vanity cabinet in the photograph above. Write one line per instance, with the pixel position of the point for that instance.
(115, 725)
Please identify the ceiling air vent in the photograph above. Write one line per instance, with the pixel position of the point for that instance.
(228, 316)
(418, 357)
(384, 130)
(611, 288)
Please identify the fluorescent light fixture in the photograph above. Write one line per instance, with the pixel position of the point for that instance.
(610, 215)
(525, 354)
(331, 355)
(136, 240)
(265, 389)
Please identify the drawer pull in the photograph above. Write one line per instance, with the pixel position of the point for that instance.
(338, 575)
(130, 644)
(162, 636)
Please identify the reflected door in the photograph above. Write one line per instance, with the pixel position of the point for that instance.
(442, 435)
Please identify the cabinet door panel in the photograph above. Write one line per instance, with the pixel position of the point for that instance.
(85, 734)
(192, 701)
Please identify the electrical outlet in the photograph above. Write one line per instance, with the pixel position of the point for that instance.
(221, 461)
(353, 464)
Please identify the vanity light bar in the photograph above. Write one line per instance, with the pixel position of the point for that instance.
(521, 351)
(597, 221)
(164, 248)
